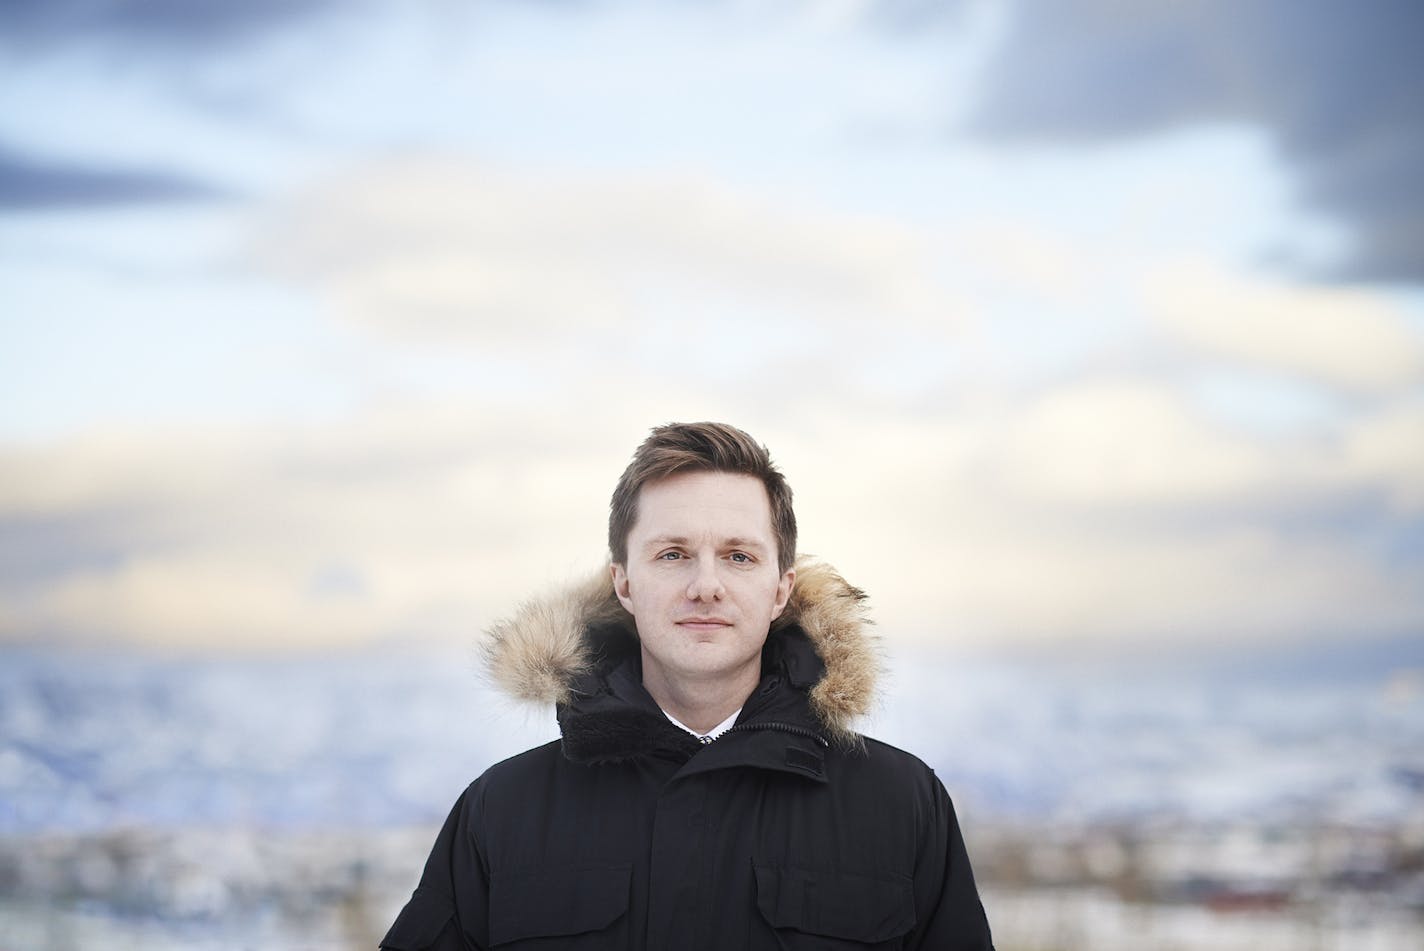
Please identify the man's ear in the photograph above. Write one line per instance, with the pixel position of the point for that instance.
(783, 592)
(620, 586)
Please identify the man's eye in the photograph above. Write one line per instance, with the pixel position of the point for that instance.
(741, 557)
(670, 555)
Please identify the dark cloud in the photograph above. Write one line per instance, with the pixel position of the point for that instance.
(36, 25)
(29, 184)
(1338, 86)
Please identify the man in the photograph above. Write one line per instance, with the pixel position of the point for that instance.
(708, 791)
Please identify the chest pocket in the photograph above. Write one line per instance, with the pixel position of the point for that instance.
(552, 907)
(824, 909)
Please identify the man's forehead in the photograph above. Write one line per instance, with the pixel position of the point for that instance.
(729, 505)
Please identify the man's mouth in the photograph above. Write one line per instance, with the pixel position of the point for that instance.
(704, 623)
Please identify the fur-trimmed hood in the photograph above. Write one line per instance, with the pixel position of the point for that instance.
(540, 652)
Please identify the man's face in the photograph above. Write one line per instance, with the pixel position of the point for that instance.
(701, 579)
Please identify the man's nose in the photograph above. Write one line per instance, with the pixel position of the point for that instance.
(706, 582)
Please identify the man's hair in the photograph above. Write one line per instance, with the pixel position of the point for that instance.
(700, 447)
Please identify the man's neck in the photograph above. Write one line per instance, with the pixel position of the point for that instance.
(700, 704)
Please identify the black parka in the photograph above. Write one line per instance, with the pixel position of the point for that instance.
(787, 831)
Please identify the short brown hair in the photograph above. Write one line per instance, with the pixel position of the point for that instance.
(700, 447)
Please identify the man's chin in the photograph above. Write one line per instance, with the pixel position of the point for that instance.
(711, 661)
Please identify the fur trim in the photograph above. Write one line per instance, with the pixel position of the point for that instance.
(832, 613)
(537, 654)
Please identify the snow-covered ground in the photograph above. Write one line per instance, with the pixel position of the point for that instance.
(1136, 742)
(1097, 920)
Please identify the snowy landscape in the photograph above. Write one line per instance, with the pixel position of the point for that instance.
(150, 802)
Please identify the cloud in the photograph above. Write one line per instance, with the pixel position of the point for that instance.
(1084, 500)
(1337, 90)
(235, 537)
(185, 26)
(1383, 455)
(1114, 514)
(452, 251)
(28, 184)
(1120, 443)
(1104, 588)
(1097, 513)
(1341, 338)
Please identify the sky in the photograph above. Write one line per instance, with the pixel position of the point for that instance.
(1076, 325)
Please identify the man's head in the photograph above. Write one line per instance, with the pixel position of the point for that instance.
(700, 447)
(703, 538)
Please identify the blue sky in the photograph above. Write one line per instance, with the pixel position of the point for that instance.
(1073, 324)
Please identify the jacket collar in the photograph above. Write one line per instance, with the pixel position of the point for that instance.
(567, 649)
(611, 718)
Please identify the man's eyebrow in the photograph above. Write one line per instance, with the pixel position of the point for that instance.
(668, 540)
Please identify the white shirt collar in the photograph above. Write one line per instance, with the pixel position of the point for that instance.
(711, 734)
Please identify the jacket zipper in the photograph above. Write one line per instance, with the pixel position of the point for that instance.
(770, 725)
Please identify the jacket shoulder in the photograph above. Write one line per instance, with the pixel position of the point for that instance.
(508, 776)
(889, 769)
(891, 757)
(540, 757)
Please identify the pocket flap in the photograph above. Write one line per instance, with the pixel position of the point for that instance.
(856, 906)
(420, 922)
(558, 901)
